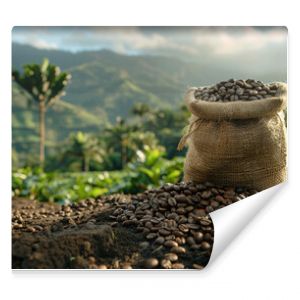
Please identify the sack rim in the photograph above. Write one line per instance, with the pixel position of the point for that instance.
(237, 109)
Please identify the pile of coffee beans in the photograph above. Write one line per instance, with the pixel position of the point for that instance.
(33, 216)
(174, 219)
(80, 235)
(164, 228)
(236, 90)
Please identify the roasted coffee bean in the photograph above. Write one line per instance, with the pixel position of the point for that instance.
(193, 226)
(166, 263)
(180, 240)
(199, 212)
(39, 228)
(170, 244)
(150, 263)
(130, 222)
(174, 217)
(195, 247)
(118, 211)
(102, 267)
(170, 237)
(180, 211)
(189, 208)
(178, 233)
(206, 194)
(190, 240)
(126, 266)
(158, 249)
(235, 90)
(164, 232)
(172, 202)
(197, 266)
(198, 236)
(214, 204)
(239, 91)
(146, 230)
(178, 250)
(183, 228)
(144, 245)
(209, 209)
(180, 198)
(178, 266)
(182, 219)
(160, 240)
(171, 256)
(151, 236)
(205, 246)
(31, 229)
(205, 222)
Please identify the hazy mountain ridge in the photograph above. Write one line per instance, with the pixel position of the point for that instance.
(107, 84)
(100, 78)
(104, 80)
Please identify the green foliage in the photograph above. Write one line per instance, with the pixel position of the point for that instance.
(166, 125)
(125, 140)
(150, 170)
(128, 154)
(62, 120)
(83, 149)
(105, 85)
(43, 82)
(140, 109)
(135, 152)
(60, 187)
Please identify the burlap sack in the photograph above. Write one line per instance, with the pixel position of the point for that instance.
(240, 143)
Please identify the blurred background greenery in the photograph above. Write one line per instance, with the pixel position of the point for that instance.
(112, 119)
(91, 150)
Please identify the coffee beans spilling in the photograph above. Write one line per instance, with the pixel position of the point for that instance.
(164, 228)
(34, 216)
(174, 220)
(81, 235)
(236, 90)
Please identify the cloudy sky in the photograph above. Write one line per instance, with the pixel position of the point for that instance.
(132, 40)
(250, 47)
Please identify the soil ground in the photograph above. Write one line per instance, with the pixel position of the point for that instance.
(50, 236)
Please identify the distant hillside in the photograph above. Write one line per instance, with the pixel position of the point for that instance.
(106, 84)
(110, 81)
(104, 80)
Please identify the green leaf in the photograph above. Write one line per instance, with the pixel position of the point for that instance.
(96, 192)
(173, 176)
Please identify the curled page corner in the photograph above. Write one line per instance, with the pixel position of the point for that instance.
(231, 220)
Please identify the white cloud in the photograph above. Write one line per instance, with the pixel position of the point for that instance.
(220, 41)
(225, 42)
(42, 44)
(35, 36)
(120, 39)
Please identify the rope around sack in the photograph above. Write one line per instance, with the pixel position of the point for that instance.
(190, 131)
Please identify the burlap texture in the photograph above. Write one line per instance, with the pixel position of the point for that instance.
(237, 143)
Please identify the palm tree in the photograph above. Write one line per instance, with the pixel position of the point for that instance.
(117, 137)
(125, 140)
(140, 109)
(84, 148)
(46, 84)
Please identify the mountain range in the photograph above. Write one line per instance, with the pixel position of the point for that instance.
(105, 85)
